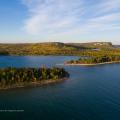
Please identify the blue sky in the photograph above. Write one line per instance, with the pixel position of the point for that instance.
(59, 20)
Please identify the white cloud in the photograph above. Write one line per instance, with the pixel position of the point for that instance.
(51, 15)
(71, 16)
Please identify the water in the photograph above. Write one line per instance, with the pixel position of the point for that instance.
(91, 93)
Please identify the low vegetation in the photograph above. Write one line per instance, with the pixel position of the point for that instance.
(16, 76)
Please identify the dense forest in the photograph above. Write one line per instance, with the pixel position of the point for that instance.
(3, 52)
(95, 60)
(17, 76)
(56, 48)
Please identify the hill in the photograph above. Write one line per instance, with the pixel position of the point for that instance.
(37, 49)
(93, 45)
(57, 48)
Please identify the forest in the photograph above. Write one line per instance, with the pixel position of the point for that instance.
(15, 76)
(95, 60)
(56, 48)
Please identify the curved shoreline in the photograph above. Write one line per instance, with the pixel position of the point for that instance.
(94, 64)
(33, 84)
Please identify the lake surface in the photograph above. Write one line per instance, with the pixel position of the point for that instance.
(91, 93)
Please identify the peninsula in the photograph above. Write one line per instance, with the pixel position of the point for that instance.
(98, 60)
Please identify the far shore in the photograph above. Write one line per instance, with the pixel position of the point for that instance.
(33, 84)
(94, 64)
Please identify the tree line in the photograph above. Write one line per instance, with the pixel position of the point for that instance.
(95, 60)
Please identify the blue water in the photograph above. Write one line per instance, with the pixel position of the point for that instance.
(91, 93)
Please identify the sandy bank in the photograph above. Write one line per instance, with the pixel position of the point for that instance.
(77, 64)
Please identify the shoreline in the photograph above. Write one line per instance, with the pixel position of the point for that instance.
(33, 84)
(92, 64)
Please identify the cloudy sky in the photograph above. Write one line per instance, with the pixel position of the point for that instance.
(59, 20)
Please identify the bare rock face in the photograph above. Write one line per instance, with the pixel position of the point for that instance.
(102, 44)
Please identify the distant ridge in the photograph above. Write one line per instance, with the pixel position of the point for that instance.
(52, 48)
(92, 44)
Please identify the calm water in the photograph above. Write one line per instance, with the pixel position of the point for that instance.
(91, 93)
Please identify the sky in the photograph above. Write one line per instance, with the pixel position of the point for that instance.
(28, 21)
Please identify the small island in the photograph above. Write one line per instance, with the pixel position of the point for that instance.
(21, 77)
(96, 60)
